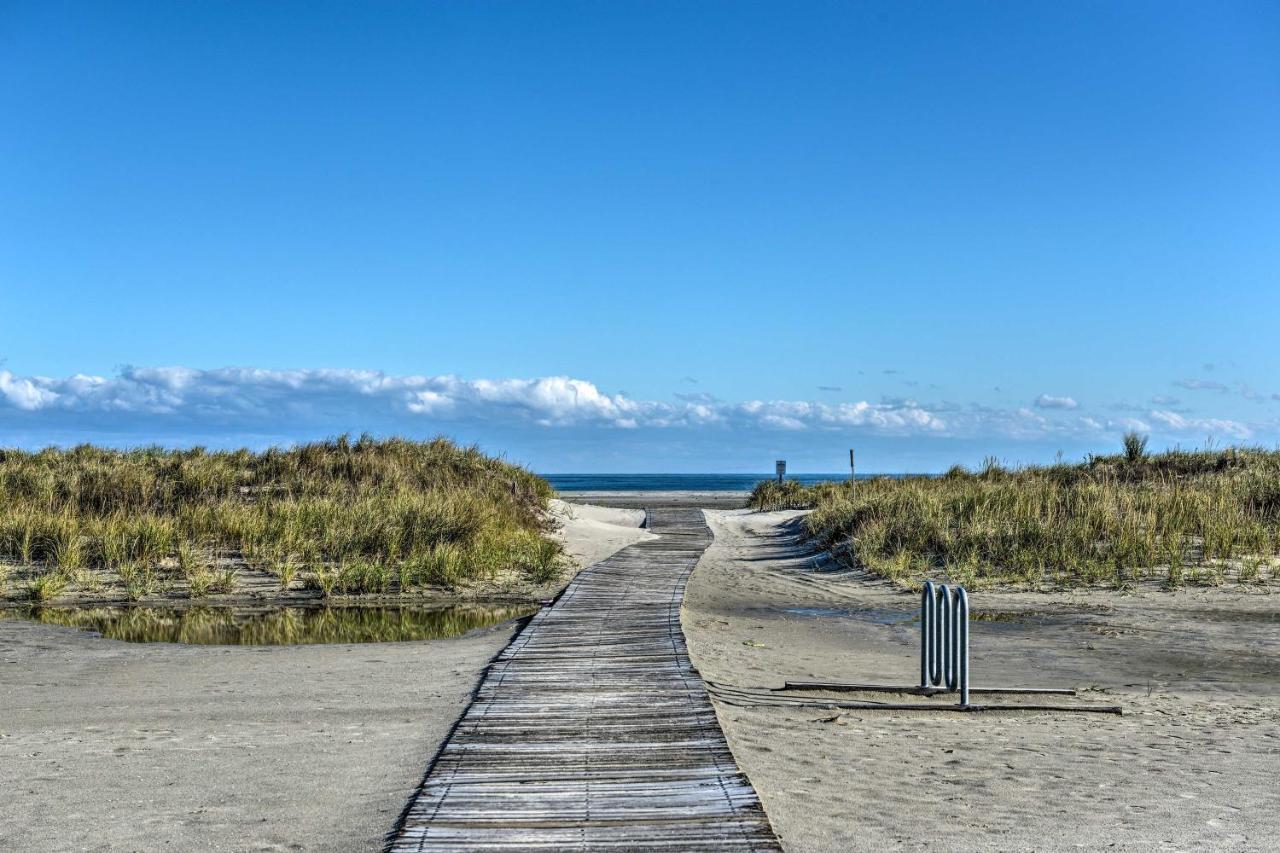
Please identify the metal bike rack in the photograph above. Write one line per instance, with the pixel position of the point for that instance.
(944, 639)
(944, 668)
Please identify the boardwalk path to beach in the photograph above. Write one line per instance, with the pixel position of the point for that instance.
(592, 730)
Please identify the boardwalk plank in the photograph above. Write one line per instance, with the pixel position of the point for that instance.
(592, 730)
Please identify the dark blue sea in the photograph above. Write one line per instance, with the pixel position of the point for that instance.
(675, 482)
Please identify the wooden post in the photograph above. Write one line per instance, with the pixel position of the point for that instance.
(852, 471)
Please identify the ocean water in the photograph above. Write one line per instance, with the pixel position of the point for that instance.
(676, 482)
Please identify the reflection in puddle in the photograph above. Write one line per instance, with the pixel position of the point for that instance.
(275, 626)
(1029, 617)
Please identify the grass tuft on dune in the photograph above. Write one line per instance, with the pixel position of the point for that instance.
(339, 516)
(1200, 517)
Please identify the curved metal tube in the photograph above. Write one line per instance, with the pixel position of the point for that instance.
(945, 669)
(926, 634)
(944, 638)
(960, 643)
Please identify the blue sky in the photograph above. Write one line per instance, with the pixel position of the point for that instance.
(643, 237)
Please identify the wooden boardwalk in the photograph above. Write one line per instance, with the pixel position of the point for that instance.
(592, 730)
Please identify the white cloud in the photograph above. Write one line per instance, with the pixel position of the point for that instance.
(1214, 426)
(1129, 425)
(1045, 401)
(24, 393)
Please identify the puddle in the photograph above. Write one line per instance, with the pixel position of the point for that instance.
(1231, 616)
(275, 626)
(877, 616)
(996, 620)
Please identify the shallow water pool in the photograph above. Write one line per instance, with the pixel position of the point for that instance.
(862, 614)
(275, 625)
(985, 621)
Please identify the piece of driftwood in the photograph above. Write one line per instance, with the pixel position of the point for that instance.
(592, 730)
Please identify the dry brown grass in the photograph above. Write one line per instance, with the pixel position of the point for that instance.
(1183, 517)
(374, 514)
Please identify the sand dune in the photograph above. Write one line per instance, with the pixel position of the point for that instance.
(591, 533)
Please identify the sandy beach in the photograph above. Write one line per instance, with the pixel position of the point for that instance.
(1190, 765)
(116, 746)
(107, 745)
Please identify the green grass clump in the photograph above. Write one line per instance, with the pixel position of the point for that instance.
(47, 586)
(376, 513)
(1135, 447)
(140, 580)
(224, 581)
(364, 577)
(785, 494)
(200, 583)
(1180, 516)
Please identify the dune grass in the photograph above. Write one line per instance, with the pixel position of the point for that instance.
(342, 516)
(1200, 517)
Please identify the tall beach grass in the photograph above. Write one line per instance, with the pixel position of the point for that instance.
(376, 516)
(1181, 517)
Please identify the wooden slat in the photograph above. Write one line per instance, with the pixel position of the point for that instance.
(592, 730)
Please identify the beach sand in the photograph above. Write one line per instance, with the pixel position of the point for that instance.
(107, 745)
(1190, 766)
(591, 533)
(114, 746)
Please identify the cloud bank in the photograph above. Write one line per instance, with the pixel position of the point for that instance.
(155, 403)
(249, 396)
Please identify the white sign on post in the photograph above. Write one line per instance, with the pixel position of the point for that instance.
(781, 467)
